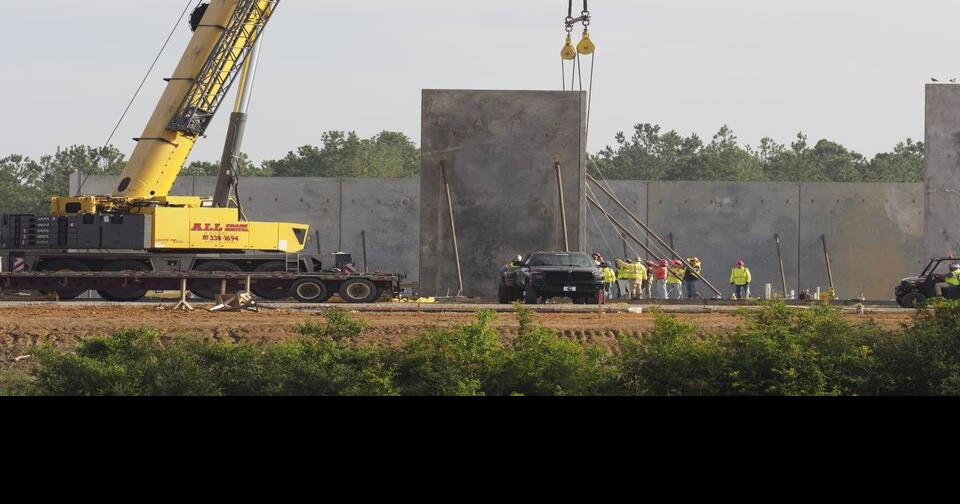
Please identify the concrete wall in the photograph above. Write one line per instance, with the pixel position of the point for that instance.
(868, 227)
(499, 151)
(874, 231)
(942, 235)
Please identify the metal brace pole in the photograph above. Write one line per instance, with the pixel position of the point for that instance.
(783, 273)
(646, 249)
(649, 231)
(826, 256)
(563, 209)
(453, 228)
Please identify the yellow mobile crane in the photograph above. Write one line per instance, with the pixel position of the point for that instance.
(226, 33)
(141, 238)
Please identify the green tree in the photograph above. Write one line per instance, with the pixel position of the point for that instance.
(212, 169)
(387, 154)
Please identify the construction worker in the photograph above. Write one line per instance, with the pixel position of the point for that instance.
(675, 280)
(597, 260)
(692, 277)
(648, 284)
(741, 278)
(660, 274)
(516, 264)
(632, 274)
(609, 277)
(950, 280)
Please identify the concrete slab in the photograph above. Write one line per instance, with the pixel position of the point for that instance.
(722, 223)
(942, 228)
(499, 150)
(874, 233)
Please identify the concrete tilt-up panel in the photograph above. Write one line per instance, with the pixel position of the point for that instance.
(942, 233)
(499, 151)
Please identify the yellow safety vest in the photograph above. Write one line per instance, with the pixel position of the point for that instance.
(628, 271)
(677, 276)
(609, 276)
(953, 278)
(741, 276)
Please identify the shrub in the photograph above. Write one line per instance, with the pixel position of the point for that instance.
(131, 363)
(459, 361)
(541, 363)
(783, 351)
(340, 326)
(925, 359)
(672, 360)
(326, 368)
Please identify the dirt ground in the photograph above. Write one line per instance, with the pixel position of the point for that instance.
(24, 327)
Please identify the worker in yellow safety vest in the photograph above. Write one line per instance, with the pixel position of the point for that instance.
(741, 278)
(950, 280)
(634, 274)
(609, 277)
(675, 280)
(515, 264)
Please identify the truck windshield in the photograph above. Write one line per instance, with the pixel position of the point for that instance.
(578, 261)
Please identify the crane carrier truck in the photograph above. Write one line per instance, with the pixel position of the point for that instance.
(142, 238)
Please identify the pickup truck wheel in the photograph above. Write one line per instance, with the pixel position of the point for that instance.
(912, 300)
(358, 290)
(531, 296)
(309, 290)
(504, 294)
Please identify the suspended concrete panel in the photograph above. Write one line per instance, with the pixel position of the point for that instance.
(498, 151)
(942, 235)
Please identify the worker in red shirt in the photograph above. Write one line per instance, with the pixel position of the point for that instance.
(661, 272)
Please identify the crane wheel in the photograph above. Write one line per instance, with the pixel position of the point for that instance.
(65, 265)
(359, 290)
(124, 295)
(310, 290)
(272, 292)
(211, 291)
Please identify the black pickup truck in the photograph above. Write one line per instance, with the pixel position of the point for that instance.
(545, 275)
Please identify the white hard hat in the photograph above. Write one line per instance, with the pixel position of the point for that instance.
(954, 267)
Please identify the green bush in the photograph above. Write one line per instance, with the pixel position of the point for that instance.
(463, 360)
(340, 326)
(925, 358)
(541, 363)
(131, 363)
(784, 351)
(672, 360)
(778, 351)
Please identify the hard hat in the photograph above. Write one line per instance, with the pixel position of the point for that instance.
(519, 258)
(677, 262)
(639, 260)
(741, 264)
(954, 267)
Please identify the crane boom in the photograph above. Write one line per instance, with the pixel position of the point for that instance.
(222, 41)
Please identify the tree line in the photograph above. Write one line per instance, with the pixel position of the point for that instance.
(649, 153)
(653, 154)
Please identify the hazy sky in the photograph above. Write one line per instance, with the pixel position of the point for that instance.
(849, 70)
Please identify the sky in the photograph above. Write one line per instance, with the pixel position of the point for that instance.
(852, 71)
